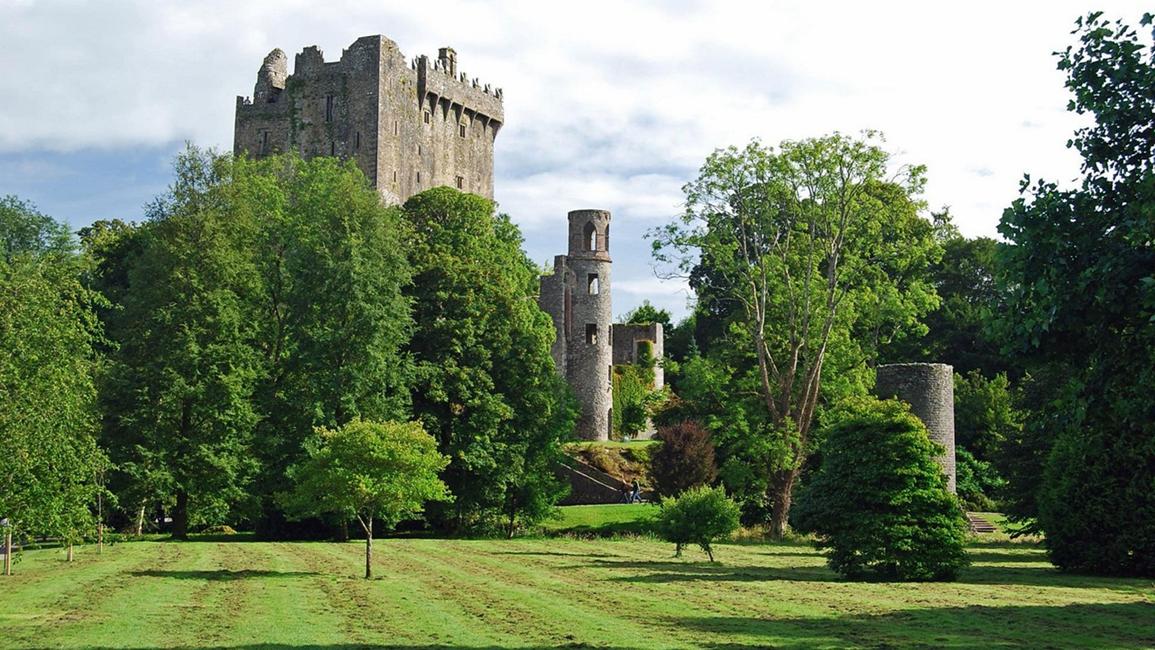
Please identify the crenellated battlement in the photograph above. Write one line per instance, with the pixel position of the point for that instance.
(409, 125)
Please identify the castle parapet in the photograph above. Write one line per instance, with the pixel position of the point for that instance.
(441, 86)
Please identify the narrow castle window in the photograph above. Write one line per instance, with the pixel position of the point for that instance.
(396, 127)
(592, 284)
(592, 333)
(394, 175)
(328, 108)
(264, 148)
(418, 178)
(461, 130)
(357, 141)
(460, 182)
(427, 117)
(590, 237)
(606, 238)
(332, 148)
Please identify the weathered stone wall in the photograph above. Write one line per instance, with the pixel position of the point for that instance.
(929, 389)
(552, 299)
(589, 351)
(409, 127)
(626, 339)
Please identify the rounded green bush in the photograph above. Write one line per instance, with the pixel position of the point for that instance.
(699, 516)
(879, 504)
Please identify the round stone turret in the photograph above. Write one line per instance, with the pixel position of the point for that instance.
(589, 318)
(929, 389)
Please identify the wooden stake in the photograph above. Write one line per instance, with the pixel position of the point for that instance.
(7, 551)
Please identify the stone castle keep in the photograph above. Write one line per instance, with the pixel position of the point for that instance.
(409, 126)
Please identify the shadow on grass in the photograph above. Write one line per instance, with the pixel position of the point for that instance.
(553, 554)
(221, 574)
(676, 572)
(1120, 625)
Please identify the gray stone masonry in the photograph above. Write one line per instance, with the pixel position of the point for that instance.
(577, 298)
(626, 339)
(929, 389)
(408, 126)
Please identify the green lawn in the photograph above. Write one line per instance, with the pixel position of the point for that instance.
(603, 519)
(547, 593)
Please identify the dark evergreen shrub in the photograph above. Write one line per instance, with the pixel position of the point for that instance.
(701, 516)
(685, 459)
(879, 504)
(1097, 501)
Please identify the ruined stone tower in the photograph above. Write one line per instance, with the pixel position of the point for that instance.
(409, 126)
(929, 389)
(577, 297)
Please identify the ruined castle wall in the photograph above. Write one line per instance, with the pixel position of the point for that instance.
(929, 389)
(589, 351)
(552, 300)
(626, 339)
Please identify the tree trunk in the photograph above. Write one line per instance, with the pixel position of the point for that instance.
(368, 526)
(8, 551)
(780, 498)
(69, 551)
(140, 519)
(180, 516)
(100, 521)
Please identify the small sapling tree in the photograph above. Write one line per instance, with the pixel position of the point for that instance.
(699, 516)
(879, 503)
(367, 470)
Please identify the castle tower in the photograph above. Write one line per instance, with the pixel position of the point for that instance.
(409, 126)
(929, 389)
(577, 297)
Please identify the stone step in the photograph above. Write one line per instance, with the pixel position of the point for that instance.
(979, 524)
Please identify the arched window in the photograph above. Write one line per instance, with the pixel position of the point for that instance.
(590, 237)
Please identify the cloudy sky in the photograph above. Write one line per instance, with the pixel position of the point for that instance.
(608, 105)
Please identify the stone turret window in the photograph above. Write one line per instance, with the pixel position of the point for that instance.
(592, 284)
(427, 117)
(592, 333)
(357, 141)
(418, 178)
(606, 239)
(329, 108)
(264, 147)
(461, 130)
(460, 182)
(590, 237)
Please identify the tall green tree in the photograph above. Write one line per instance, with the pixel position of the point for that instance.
(48, 333)
(485, 387)
(332, 319)
(958, 331)
(185, 371)
(1080, 278)
(795, 250)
